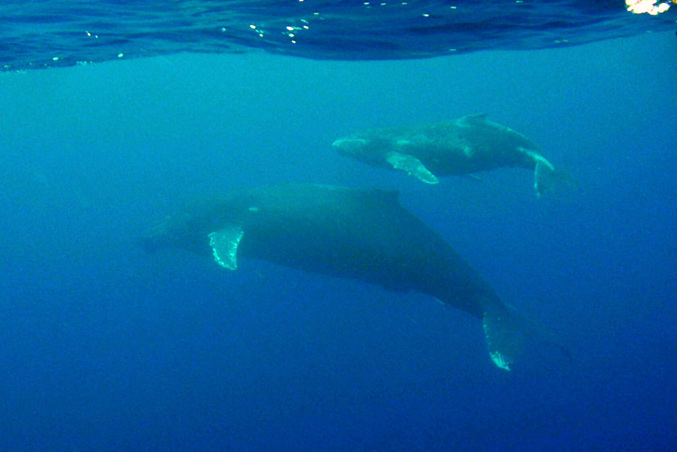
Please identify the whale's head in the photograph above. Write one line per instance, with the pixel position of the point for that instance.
(350, 146)
(189, 227)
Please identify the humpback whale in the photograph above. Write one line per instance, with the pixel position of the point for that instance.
(463, 146)
(363, 234)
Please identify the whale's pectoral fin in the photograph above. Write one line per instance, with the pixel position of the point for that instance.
(544, 176)
(547, 180)
(412, 166)
(507, 333)
(504, 335)
(224, 243)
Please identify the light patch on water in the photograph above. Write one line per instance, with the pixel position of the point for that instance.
(651, 7)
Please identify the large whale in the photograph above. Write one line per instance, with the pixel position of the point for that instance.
(363, 234)
(463, 146)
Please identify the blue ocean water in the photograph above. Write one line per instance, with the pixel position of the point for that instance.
(104, 347)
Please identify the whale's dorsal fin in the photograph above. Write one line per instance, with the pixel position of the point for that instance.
(224, 243)
(412, 166)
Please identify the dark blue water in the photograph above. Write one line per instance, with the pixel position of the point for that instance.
(103, 347)
(57, 33)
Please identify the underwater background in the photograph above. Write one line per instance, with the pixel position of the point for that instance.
(104, 347)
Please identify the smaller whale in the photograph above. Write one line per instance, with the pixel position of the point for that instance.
(467, 145)
(361, 234)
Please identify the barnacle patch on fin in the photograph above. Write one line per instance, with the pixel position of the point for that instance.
(224, 243)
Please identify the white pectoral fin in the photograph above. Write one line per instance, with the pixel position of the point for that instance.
(545, 176)
(504, 336)
(507, 334)
(412, 166)
(224, 243)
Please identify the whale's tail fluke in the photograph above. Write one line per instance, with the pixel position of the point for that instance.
(507, 334)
